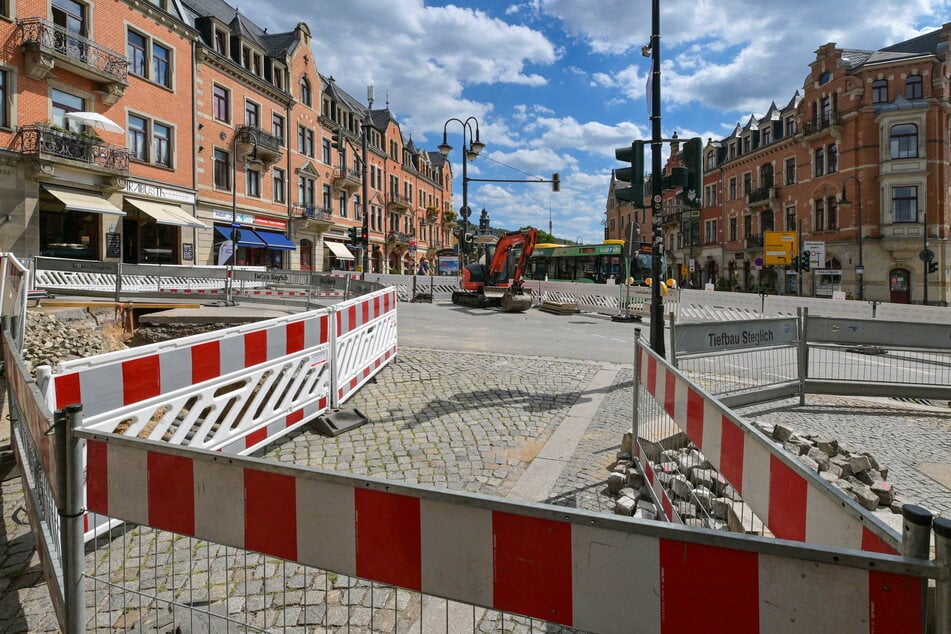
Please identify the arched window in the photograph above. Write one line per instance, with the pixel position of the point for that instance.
(305, 96)
(904, 141)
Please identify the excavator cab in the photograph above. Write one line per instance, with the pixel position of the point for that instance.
(484, 286)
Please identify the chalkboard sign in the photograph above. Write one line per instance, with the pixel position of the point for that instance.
(113, 245)
(188, 252)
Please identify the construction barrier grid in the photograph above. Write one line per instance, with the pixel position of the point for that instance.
(543, 562)
(365, 337)
(792, 502)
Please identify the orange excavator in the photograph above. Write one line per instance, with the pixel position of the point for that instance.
(484, 287)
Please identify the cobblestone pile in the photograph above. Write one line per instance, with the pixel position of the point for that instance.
(49, 340)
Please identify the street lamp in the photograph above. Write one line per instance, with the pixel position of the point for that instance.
(470, 150)
(235, 233)
(844, 202)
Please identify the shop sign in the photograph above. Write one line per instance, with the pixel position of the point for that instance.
(145, 189)
(270, 222)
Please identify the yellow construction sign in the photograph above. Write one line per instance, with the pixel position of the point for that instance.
(779, 247)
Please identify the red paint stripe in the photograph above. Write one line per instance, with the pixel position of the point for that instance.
(532, 567)
(270, 514)
(731, 453)
(670, 393)
(141, 379)
(294, 335)
(353, 383)
(364, 312)
(97, 477)
(895, 603)
(324, 330)
(259, 435)
(171, 493)
(652, 376)
(686, 601)
(255, 348)
(787, 501)
(294, 417)
(206, 361)
(668, 507)
(376, 307)
(695, 417)
(873, 543)
(68, 390)
(389, 547)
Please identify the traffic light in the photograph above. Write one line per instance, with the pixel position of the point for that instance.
(633, 174)
(932, 266)
(804, 261)
(336, 139)
(556, 182)
(693, 161)
(354, 236)
(364, 236)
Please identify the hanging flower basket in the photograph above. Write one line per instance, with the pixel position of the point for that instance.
(449, 215)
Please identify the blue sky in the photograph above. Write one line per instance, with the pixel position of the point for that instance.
(556, 85)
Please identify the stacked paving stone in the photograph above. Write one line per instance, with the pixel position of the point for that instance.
(856, 472)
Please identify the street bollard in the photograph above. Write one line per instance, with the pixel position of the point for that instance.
(916, 531)
(942, 536)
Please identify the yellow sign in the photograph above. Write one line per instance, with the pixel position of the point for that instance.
(779, 247)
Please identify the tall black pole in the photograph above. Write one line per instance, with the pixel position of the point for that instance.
(657, 298)
(464, 212)
(366, 199)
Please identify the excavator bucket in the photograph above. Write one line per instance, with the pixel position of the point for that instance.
(512, 303)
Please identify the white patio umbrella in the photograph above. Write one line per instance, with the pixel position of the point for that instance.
(95, 120)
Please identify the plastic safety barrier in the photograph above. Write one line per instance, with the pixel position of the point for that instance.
(364, 341)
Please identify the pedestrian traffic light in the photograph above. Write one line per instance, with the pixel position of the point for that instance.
(633, 174)
(932, 266)
(693, 161)
(556, 182)
(336, 139)
(354, 237)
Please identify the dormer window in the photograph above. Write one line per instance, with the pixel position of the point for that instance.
(221, 42)
(764, 133)
(257, 66)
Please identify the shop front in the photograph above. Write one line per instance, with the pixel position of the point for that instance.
(339, 257)
(260, 240)
(157, 232)
(77, 224)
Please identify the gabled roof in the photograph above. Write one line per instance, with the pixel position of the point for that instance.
(274, 44)
(793, 103)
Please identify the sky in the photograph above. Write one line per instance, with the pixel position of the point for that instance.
(557, 85)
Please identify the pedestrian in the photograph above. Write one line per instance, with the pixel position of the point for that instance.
(423, 267)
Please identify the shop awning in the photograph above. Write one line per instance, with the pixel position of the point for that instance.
(246, 237)
(76, 200)
(166, 213)
(275, 240)
(340, 252)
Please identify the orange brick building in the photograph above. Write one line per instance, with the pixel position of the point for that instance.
(214, 129)
(869, 125)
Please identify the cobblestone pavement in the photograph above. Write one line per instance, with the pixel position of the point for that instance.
(466, 421)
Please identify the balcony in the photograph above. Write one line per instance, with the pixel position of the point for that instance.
(829, 123)
(398, 202)
(762, 197)
(754, 242)
(346, 178)
(312, 212)
(268, 146)
(46, 45)
(53, 143)
(398, 237)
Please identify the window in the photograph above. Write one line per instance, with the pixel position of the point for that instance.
(819, 163)
(766, 221)
(161, 65)
(905, 204)
(765, 136)
(790, 218)
(5, 92)
(277, 127)
(746, 145)
(343, 204)
(832, 213)
(747, 183)
(710, 232)
(790, 126)
(305, 141)
(747, 225)
(913, 87)
(325, 154)
(222, 172)
(790, 171)
(733, 188)
(137, 134)
(221, 42)
(832, 159)
(148, 59)
(5, 8)
(221, 104)
(879, 91)
(305, 191)
(711, 159)
(161, 144)
(732, 150)
(135, 50)
(72, 17)
(819, 219)
(305, 95)
(326, 198)
(904, 141)
(278, 184)
(252, 183)
(710, 192)
(732, 229)
(63, 102)
(252, 114)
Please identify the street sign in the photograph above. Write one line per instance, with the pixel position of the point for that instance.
(926, 255)
(779, 247)
(817, 253)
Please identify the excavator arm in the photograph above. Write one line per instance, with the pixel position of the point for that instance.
(497, 268)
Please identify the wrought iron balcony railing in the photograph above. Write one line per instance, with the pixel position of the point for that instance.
(73, 47)
(311, 212)
(763, 194)
(348, 174)
(820, 123)
(398, 236)
(264, 139)
(43, 140)
(754, 242)
(398, 200)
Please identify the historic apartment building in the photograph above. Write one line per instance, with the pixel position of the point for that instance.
(872, 126)
(208, 124)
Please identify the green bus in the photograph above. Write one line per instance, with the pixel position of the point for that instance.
(597, 263)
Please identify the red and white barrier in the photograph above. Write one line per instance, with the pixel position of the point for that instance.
(794, 503)
(364, 341)
(551, 563)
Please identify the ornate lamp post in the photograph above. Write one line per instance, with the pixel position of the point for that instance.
(235, 232)
(470, 150)
(844, 202)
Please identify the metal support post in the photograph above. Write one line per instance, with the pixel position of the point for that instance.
(803, 353)
(657, 173)
(916, 531)
(637, 389)
(69, 457)
(942, 538)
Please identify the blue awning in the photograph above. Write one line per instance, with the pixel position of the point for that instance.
(277, 241)
(246, 237)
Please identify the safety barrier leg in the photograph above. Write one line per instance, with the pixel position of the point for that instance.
(69, 456)
(942, 537)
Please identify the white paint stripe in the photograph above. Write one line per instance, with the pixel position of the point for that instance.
(827, 524)
(326, 526)
(802, 596)
(680, 400)
(712, 431)
(127, 476)
(613, 564)
(756, 477)
(456, 551)
(219, 502)
(175, 367)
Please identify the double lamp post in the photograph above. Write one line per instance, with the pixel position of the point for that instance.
(471, 147)
(250, 159)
